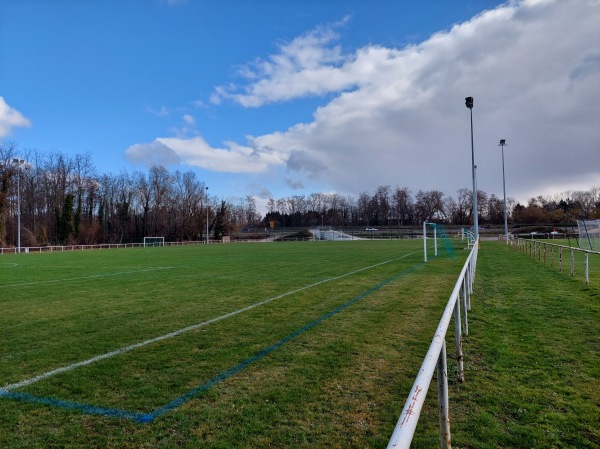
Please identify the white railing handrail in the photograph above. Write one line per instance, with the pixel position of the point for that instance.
(522, 240)
(535, 248)
(407, 423)
(60, 248)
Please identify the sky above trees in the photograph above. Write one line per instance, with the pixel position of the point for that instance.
(275, 99)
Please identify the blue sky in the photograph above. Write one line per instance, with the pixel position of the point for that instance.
(278, 98)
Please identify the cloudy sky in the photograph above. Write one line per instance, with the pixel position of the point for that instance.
(278, 98)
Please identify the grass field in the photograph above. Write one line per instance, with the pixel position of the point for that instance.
(310, 344)
(548, 252)
(532, 356)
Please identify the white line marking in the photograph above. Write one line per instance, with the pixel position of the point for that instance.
(94, 276)
(63, 369)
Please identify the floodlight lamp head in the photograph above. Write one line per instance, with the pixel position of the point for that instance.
(502, 142)
(469, 102)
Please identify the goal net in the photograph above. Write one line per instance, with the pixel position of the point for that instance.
(154, 241)
(589, 234)
(436, 233)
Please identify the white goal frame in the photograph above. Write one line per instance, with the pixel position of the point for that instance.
(589, 234)
(154, 241)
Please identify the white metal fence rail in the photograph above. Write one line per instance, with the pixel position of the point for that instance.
(62, 248)
(436, 358)
(539, 250)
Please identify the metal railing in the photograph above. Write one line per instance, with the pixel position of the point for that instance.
(62, 248)
(539, 250)
(436, 359)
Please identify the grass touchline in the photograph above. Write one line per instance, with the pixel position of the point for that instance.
(148, 417)
(94, 276)
(116, 352)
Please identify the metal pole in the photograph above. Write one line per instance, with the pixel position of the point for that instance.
(469, 104)
(572, 263)
(19, 209)
(465, 311)
(442, 380)
(207, 215)
(587, 268)
(502, 144)
(425, 241)
(460, 372)
(18, 162)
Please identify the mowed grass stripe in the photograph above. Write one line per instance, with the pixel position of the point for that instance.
(214, 349)
(57, 325)
(86, 278)
(335, 386)
(222, 376)
(181, 331)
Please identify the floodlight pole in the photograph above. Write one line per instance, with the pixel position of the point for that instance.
(18, 162)
(207, 215)
(502, 144)
(469, 104)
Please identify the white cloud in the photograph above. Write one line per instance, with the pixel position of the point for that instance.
(532, 67)
(197, 152)
(162, 112)
(154, 153)
(398, 117)
(306, 66)
(10, 118)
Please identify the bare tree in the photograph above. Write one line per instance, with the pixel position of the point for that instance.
(8, 151)
(402, 204)
(430, 205)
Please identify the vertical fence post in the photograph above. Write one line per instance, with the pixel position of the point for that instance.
(425, 241)
(544, 253)
(464, 300)
(572, 263)
(442, 379)
(468, 280)
(587, 268)
(470, 285)
(560, 257)
(460, 371)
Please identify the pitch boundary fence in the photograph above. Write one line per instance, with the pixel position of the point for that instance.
(539, 251)
(62, 248)
(435, 359)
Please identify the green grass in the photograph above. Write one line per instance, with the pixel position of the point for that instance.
(531, 359)
(340, 383)
(546, 251)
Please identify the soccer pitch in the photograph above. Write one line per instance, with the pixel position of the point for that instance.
(281, 344)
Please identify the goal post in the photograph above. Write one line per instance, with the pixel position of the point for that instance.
(154, 241)
(589, 234)
(437, 231)
(425, 240)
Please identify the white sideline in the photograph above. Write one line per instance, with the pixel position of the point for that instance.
(93, 276)
(63, 369)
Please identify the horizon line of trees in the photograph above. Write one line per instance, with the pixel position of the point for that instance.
(64, 200)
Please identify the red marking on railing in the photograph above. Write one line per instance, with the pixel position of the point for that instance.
(409, 410)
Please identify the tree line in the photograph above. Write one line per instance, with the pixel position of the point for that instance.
(63, 199)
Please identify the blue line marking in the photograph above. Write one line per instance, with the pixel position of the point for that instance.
(70, 405)
(148, 417)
